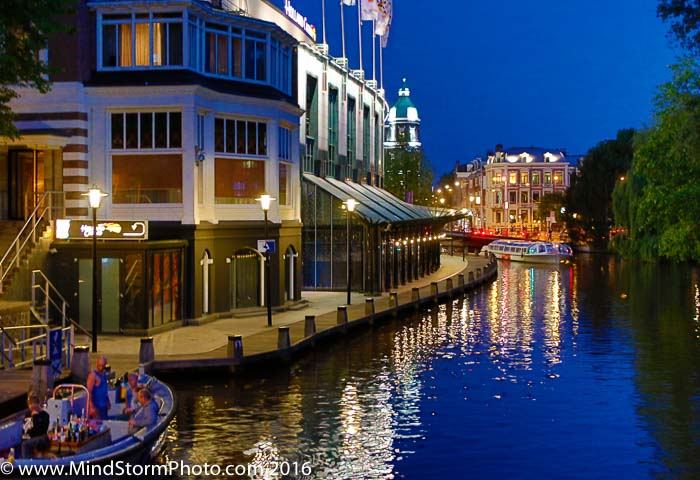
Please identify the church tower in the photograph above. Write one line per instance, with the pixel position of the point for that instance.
(403, 123)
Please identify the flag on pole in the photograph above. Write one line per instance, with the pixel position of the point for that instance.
(384, 12)
(369, 9)
(385, 38)
(349, 3)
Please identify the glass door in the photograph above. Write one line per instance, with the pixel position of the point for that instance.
(26, 182)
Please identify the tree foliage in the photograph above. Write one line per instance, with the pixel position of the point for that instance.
(24, 29)
(658, 204)
(590, 196)
(684, 17)
(551, 202)
(407, 173)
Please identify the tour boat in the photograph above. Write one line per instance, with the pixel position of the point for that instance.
(528, 251)
(92, 442)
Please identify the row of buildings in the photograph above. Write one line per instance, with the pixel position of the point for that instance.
(503, 192)
(184, 113)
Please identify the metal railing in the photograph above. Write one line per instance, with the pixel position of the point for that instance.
(47, 298)
(47, 209)
(17, 342)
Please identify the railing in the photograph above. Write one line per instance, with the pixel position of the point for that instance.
(46, 296)
(17, 342)
(47, 209)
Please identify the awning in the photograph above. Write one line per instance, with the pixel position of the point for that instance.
(377, 206)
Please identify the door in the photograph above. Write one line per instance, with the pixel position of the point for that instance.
(111, 294)
(246, 274)
(290, 273)
(26, 182)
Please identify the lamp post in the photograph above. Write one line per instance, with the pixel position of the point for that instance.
(94, 196)
(265, 201)
(350, 204)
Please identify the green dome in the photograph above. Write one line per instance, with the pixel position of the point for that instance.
(404, 107)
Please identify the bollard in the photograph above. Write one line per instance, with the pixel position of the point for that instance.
(309, 325)
(460, 279)
(478, 273)
(235, 348)
(448, 284)
(393, 299)
(42, 379)
(369, 306)
(283, 340)
(433, 288)
(415, 294)
(146, 352)
(471, 277)
(80, 363)
(342, 318)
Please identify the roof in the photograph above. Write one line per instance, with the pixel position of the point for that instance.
(376, 206)
(531, 155)
(401, 107)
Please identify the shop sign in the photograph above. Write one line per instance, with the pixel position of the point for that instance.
(299, 19)
(68, 229)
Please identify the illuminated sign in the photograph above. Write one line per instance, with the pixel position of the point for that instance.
(67, 229)
(299, 19)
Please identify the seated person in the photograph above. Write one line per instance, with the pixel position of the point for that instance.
(147, 414)
(132, 401)
(42, 449)
(36, 426)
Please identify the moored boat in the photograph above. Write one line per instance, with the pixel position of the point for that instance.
(87, 443)
(528, 251)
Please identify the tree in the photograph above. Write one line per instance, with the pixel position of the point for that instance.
(25, 26)
(407, 173)
(658, 204)
(589, 199)
(551, 202)
(684, 16)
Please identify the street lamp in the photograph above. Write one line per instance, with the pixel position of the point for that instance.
(94, 196)
(350, 204)
(265, 201)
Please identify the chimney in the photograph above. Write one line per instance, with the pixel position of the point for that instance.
(499, 148)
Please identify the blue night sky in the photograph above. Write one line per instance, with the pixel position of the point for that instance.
(556, 74)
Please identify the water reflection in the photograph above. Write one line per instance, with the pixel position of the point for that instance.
(595, 364)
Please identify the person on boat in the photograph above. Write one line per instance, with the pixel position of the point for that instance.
(147, 415)
(132, 390)
(98, 387)
(36, 426)
(42, 449)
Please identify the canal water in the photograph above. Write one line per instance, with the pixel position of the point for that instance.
(590, 370)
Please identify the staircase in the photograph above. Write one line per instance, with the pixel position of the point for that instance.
(18, 240)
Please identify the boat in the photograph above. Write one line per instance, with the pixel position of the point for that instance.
(528, 251)
(94, 443)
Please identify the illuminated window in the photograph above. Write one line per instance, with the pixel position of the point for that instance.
(524, 178)
(547, 178)
(284, 184)
(139, 178)
(238, 181)
(558, 178)
(513, 178)
(524, 197)
(126, 39)
(535, 178)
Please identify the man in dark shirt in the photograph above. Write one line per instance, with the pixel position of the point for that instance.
(35, 426)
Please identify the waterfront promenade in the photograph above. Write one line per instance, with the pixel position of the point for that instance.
(202, 347)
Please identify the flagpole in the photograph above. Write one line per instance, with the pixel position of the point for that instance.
(323, 19)
(374, 50)
(342, 25)
(359, 30)
(381, 67)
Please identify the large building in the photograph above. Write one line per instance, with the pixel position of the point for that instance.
(184, 113)
(504, 192)
(403, 122)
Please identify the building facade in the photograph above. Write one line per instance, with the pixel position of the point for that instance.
(184, 113)
(504, 191)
